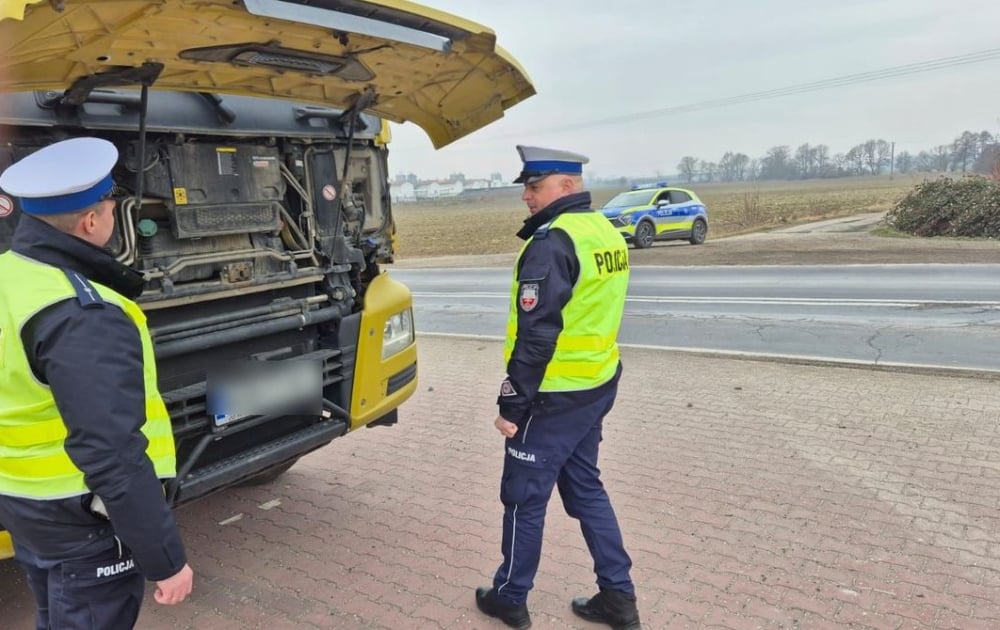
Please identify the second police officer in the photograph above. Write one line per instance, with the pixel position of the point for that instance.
(567, 300)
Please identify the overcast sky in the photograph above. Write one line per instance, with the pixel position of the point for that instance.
(594, 60)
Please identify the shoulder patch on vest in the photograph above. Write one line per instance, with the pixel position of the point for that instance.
(528, 296)
(86, 294)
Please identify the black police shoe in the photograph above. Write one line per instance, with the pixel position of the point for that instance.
(513, 615)
(614, 608)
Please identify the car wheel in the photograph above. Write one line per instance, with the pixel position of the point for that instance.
(644, 234)
(698, 232)
(269, 476)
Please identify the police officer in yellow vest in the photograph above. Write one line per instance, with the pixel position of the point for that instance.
(85, 438)
(567, 300)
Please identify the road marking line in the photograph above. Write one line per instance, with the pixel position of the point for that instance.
(682, 299)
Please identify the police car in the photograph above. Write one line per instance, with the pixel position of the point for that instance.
(652, 212)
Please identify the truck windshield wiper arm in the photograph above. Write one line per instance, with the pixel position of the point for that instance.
(226, 115)
(146, 75)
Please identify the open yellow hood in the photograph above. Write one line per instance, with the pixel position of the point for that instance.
(441, 72)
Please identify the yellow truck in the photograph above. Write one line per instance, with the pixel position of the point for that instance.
(253, 193)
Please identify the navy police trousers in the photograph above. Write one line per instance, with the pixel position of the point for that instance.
(101, 592)
(561, 449)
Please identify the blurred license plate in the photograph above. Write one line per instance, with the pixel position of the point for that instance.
(264, 388)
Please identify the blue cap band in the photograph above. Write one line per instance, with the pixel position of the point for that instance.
(67, 203)
(553, 166)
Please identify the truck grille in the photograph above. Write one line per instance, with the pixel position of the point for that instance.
(200, 221)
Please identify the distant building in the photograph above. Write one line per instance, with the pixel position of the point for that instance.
(478, 184)
(411, 190)
(402, 191)
(433, 190)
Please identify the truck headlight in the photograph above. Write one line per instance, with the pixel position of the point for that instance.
(398, 333)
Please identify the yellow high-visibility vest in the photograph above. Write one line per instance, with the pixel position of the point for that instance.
(33, 459)
(586, 352)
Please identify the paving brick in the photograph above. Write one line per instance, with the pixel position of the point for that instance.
(759, 495)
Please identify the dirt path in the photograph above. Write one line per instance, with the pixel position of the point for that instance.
(820, 248)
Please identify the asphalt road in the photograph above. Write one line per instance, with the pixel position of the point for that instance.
(942, 316)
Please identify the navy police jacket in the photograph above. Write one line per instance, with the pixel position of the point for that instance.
(92, 360)
(550, 255)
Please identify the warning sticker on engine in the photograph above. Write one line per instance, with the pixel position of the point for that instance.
(227, 160)
(263, 161)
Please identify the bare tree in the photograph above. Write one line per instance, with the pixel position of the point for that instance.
(803, 160)
(821, 159)
(777, 163)
(726, 168)
(870, 157)
(688, 168)
(905, 162)
(986, 139)
(856, 160)
(876, 155)
(988, 161)
(923, 162)
(964, 151)
(741, 164)
(940, 157)
(707, 171)
(841, 164)
(883, 155)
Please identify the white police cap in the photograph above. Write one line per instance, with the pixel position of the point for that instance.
(62, 177)
(539, 163)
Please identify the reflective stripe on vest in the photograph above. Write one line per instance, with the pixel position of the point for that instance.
(33, 459)
(586, 352)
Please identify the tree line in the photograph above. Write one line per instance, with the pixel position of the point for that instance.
(969, 152)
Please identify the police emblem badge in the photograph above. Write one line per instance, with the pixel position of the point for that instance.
(529, 296)
(507, 389)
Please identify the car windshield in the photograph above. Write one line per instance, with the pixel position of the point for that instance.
(631, 198)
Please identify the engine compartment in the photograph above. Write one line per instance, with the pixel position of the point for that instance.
(258, 239)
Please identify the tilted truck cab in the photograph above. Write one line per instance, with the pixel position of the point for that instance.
(252, 192)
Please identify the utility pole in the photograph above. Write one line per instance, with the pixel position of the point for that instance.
(892, 159)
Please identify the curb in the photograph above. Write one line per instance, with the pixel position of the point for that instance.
(789, 359)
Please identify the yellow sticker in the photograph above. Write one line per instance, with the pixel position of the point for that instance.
(6, 546)
(180, 196)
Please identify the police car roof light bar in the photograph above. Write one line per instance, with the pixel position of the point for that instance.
(644, 186)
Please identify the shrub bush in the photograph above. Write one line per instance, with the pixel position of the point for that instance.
(950, 207)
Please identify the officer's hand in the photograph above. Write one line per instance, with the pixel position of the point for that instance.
(505, 426)
(176, 588)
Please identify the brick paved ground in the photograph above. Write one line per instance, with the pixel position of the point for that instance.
(751, 495)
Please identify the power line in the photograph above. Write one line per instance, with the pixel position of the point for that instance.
(932, 65)
(802, 88)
